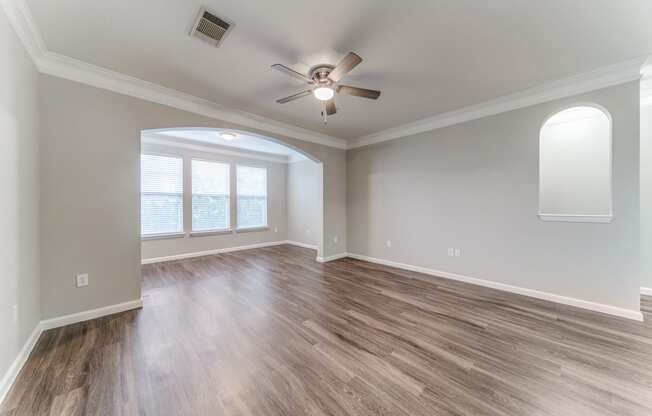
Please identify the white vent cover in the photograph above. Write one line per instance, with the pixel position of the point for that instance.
(210, 28)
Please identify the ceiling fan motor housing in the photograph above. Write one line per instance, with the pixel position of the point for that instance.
(319, 74)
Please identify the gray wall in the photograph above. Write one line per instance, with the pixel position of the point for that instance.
(304, 188)
(474, 186)
(646, 196)
(90, 191)
(19, 193)
(276, 209)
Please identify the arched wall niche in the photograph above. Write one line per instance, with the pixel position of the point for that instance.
(575, 165)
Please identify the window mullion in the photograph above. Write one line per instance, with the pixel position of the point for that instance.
(233, 200)
(187, 194)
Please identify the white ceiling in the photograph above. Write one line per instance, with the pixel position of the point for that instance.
(427, 56)
(244, 141)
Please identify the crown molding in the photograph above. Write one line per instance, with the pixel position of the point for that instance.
(601, 78)
(75, 70)
(66, 67)
(160, 140)
(21, 19)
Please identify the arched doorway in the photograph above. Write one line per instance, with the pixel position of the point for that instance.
(211, 190)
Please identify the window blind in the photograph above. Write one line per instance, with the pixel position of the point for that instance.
(251, 190)
(210, 196)
(161, 199)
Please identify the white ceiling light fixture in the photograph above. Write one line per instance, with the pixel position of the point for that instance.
(228, 136)
(323, 93)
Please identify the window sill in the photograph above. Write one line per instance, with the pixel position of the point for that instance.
(252, 229)
(605, 219)
(161, 236)
(210, 233)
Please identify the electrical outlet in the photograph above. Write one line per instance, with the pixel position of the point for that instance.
(388, 243)
(458, 252)
(275, 229)
(82, 280)
(307, 231)
(336, 240)
(451, 251)
(15, 311)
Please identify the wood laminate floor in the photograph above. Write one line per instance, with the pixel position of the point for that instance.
(271, 332)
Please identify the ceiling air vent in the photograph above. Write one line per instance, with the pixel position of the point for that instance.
(210, 28)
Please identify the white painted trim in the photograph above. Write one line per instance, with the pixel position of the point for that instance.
(179, 144)
(331, 258)
(577, 218)
(73, 69)
(299, 244)
(551, 297)
(16, 366)
(14, 369)
(90, 314)
(21, 19)
(66, 67)
(647, 291)
(210, 252)
(163, 236)
(590, 81)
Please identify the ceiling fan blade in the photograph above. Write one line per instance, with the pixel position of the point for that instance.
(330, 107)
(294, 96)
(345, 66)
(358, 92)
(291, 72)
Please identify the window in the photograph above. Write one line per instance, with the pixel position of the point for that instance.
(210, 196)
(161, 197)
(575, 166)
(252, 197)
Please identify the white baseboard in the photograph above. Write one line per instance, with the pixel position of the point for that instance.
(597, 307)
(331, 258)
(14, 369)
(299, 244)
(211, 252)
(90, 314)
(10, 376)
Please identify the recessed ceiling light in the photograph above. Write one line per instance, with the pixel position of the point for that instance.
(228, 136)
(323, 93)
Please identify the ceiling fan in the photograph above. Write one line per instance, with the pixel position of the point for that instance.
(324, 79)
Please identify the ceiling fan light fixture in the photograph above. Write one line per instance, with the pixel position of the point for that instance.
(323, 93)
(324, 83)
(228, 136)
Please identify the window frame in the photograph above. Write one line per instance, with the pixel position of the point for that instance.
(579, 218)
(217, 231)
(187, 157)
(238, 228)
(161, 236)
